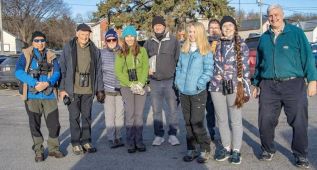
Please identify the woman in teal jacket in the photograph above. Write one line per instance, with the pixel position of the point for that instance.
(131, 69)
(193, 71)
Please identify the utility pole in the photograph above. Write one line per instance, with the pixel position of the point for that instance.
(1, 29)
(260, 5)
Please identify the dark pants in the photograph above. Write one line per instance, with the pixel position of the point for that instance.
(80, 107)
(194, 114)
(164, 91)
(291, 95)
(210, 116)
(35, 109)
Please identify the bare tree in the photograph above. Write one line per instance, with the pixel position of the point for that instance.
(22, 17)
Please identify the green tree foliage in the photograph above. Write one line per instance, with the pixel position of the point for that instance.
(141, 12)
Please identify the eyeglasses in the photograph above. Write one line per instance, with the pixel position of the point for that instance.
(39, 40)
(111, 40)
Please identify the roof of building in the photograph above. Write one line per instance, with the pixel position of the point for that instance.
(306, 25)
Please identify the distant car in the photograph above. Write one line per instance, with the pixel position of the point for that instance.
(314, 51)
(252, 43)
(7, 72)
(2, 58)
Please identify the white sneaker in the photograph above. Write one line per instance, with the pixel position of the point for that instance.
(172, 139)
(158, 141)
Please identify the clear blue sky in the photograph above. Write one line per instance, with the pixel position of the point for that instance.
(85, 7)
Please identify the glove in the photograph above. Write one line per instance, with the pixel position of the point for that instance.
(139, 89)
(101, 96)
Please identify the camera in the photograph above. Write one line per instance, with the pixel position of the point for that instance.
(132, 75)
(66, 100)
(227, 87)
(83, 79)
(44, 67)
(35, 74)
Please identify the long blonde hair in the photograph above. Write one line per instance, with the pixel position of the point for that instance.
(201, 38)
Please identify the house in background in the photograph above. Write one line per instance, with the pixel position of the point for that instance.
(252, 26)
(12, 44)
(98, 32)
(309, 28)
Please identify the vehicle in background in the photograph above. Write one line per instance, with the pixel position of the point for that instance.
(252, 43)
(7, 72)
(314, 51)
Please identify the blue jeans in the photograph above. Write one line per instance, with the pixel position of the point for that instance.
(164, 91)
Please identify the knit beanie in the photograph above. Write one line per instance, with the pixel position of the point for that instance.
(158, 20)
(111, 33)
(129, 30)
(38, 34)
(228, 19)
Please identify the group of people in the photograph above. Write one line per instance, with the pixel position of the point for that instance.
(199, 72)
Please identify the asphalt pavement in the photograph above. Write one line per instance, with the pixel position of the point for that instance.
(16, 143)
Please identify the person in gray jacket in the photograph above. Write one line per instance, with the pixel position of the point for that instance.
(163, 50)
(114, 111)
(81, 79)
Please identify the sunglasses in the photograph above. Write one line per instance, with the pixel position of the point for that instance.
(39, 40)
(111, 40)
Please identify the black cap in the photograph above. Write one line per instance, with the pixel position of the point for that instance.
(83, 27)
(228, 19)
(38, 34)
(158, 20)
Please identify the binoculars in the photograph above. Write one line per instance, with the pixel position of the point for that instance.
(83, 79)
(132, 75)
(227, 87)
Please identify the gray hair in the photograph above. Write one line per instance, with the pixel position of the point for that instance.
(275, 6)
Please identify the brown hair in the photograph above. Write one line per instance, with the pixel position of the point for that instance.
(125, 49)
(240, 98)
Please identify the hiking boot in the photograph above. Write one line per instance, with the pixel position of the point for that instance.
(140, 147)
(301, 162)
(203, 157)
(131, 149)
(191, 155)
(235, 157)
(266, 156)
(116, 143)
(78, 150)
(158, 141)
(56, 154)
(222, 155)
(89, 148)
(39, 157)
(172, 139)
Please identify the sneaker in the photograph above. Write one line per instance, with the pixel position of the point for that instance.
(172, 139)
(158, 141)
(191, 155)
(203, 157)
(39, 157)
(266, 156)
(301, 162)
(222, 155)
(56, 154)
(78, 150)
(89, 148)
(235, 157)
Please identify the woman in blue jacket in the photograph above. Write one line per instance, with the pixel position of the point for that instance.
(193, 71)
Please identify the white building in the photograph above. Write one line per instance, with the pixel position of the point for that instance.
(11, 45)
(309, 28)
(98, 32)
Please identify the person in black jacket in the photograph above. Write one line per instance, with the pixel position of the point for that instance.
(163, 50)
(81, 80)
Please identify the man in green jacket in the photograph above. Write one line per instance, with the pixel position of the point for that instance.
(284, 62)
